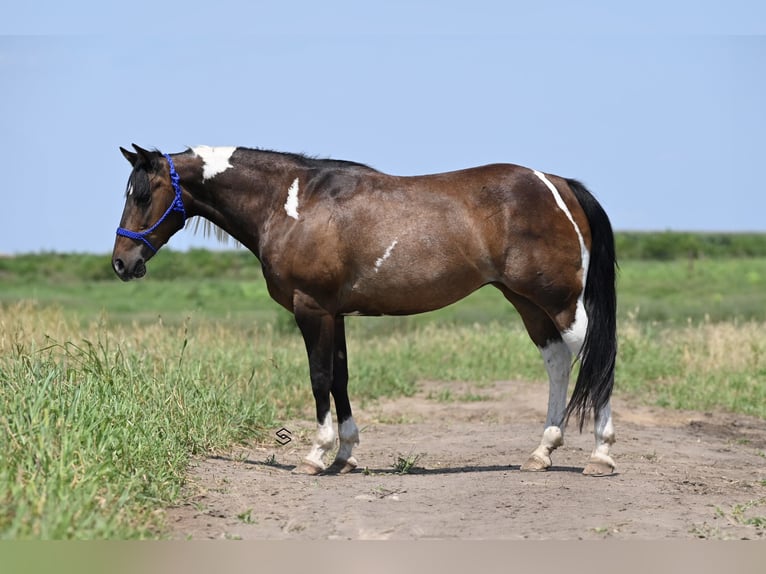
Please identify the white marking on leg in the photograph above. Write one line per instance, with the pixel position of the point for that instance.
(349, 437)
(604, 433)
(558, 364)
(323, 441)
(386, 255)
(215, 160)
(291, 205)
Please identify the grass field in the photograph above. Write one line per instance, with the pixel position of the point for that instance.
(107, 389)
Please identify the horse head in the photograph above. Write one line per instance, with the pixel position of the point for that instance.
(153, 212)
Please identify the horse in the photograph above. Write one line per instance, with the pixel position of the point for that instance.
(338, 238)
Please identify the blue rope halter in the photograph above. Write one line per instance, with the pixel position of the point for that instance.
(177, 205)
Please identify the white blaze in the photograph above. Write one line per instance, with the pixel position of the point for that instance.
(215, 160)
(291, 205)
(380, 260)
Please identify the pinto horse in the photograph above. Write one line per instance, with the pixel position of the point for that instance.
(338, 238)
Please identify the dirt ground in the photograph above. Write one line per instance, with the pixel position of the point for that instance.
(680, 475)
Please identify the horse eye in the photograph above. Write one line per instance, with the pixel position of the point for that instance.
(143, 199)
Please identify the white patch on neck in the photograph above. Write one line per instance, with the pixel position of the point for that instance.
(215, 160)
(130, 188)
(291, 205)
(386, 255)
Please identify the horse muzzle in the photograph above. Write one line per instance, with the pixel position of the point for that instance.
(129, 270)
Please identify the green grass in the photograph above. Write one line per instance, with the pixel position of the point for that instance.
(230, 286)
(675, 291)
(107, 389)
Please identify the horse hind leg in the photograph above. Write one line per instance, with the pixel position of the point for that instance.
(558, 362)
(557, 357)
(600, 463)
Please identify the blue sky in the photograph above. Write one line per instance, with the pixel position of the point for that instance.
(661, 110)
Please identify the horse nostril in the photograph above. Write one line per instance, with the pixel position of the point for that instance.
(119, 266)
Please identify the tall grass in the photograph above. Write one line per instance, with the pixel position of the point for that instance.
(96, 431)
(698, 366)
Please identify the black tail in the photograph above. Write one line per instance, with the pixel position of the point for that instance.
(597, 357)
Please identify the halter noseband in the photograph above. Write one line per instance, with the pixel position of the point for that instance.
(177, 205)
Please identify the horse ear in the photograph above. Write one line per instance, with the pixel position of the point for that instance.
(129, 155)
(145, 155)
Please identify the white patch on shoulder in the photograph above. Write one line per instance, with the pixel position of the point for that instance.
(291, 205)
(380, 260)
(215, 159)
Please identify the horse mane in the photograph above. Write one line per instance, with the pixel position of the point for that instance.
(208, 229)
(311, 161)
(197, 224)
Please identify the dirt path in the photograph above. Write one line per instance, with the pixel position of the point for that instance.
(679, 475)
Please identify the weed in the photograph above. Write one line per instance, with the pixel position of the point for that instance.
(405, 464)
(740, 513)
(247, 516)
(443, 396)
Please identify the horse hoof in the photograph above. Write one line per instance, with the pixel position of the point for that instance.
(536, 463)
(342, 466)
(598, 467)
(308, 467)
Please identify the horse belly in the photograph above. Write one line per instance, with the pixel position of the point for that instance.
(413, 288)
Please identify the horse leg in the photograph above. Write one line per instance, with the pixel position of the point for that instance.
(347, 429)
(318, 329)
(600, 463)
(557, 357)
(558, 363)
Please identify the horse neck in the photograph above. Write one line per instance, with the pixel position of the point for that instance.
(241, 199)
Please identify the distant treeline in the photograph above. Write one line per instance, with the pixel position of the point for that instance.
(240, 264)
(668, 245)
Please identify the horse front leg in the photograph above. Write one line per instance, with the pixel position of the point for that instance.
(318, 329)
(347, 429)
(558, 364)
